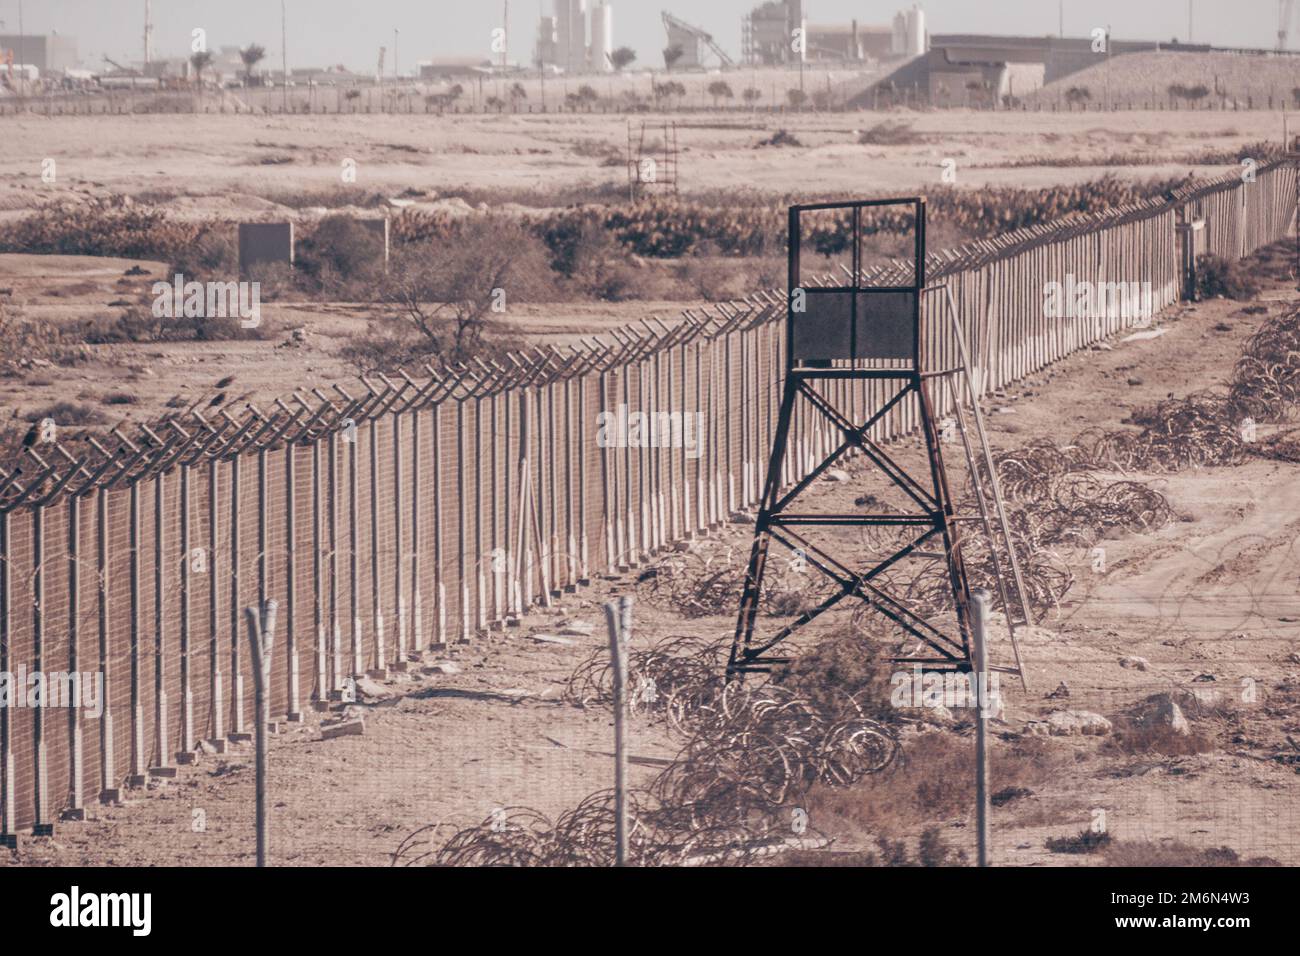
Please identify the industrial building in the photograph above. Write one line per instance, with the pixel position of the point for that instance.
(962, 69)
(767, 36)
(562, 39)
(48, 53)
(693, 45)
(848, 42)
(766, 33)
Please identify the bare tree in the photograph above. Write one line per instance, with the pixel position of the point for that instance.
(447, 290)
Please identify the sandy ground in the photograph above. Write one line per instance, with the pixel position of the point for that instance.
(141, 382)
(1212, 595)
(231, 165)
(1210, 601)
(263, 167)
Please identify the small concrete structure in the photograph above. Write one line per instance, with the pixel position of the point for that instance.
(265, 242)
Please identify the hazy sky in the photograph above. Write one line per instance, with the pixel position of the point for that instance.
(323, 32)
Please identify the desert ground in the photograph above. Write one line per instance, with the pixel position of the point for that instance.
(235, 168)
(1208, 603)
(1210, 600)
(240, 165)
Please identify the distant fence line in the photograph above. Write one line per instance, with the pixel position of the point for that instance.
(423, 511)
(333, 101)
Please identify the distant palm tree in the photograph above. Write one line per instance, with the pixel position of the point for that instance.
(671, 55)
(720, 89)
(622, 57)
(199, 62)
(251, 55)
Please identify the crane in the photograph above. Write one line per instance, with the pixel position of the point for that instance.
(1284, 11)
(672, 23)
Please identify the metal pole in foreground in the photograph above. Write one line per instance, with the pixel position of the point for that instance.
(979, 621)
(619, 618)
(261, 637)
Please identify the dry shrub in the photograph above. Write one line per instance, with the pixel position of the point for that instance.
(1158, 739)
(1150, 853)
(931, 851)
(276, 280)
(933, 780)
(27, 341)
(340, 256)
(113, 226)
(846, 663)
(890, 133)
(707, 275)
(596, 264)
(68, 413)
(1229, 278)
(141, 325)
(1086, 841)
(212, 254)
(780, 138)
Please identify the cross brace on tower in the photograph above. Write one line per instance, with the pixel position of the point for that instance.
(870, 330)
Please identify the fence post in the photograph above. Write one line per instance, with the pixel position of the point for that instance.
(417, 610)
(261, 639)
(399, 595)
(43, 826)
(618, 617)
(186, 752)
(7, 836)
(979, 622)
(354, 552)
(439, 585)
(462, 520)
(216, 690)
(108, 789)
(376, 576)
(76, 809)
(319, 610)
(237, 733)
(164, 767)
(137, 776)
(335, 655)
(292, 711)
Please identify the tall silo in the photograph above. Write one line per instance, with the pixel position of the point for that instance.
(562, 33)
(898, 43)
(577, 36)
(546, 41)
(916, 32)
(602, 36)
